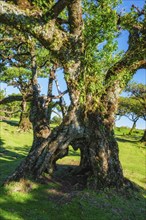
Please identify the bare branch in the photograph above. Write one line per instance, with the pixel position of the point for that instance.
(58, 96)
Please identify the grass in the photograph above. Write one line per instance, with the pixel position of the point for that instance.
(132, 155)
(29, 200)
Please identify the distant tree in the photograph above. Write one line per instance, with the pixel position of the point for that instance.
(9, 110)
(138, 92)
(16, 68)
(132, 109)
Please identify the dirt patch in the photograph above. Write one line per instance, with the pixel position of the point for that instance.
(61, 198)
(67, 185)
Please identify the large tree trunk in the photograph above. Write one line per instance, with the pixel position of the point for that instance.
(99, 163)
(104, 155)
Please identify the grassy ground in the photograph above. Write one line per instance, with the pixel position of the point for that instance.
(28, 200)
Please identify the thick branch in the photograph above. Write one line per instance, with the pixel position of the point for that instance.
(22, 20)
(75, 17)
(28, 98)
(11, 99)
(118, 76)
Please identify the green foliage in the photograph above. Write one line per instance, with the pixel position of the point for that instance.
(100, 31)
(10, 109)
(131, 107)
(2, 94)
(137, 90)
(12, 74)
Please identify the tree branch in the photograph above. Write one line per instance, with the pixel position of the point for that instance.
(46, 33)
(10, 99)
(75, 17)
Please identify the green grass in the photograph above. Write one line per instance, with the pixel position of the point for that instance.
(132, 155)
(34, 201)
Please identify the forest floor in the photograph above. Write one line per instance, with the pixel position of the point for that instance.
(61, 198)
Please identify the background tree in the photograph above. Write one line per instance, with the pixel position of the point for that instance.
(138, 92)
(132, 109)
(16, 68)
(9, 110)
(93, 86)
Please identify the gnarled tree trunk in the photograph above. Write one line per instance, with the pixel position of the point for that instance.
(105, 168)
(46, 146)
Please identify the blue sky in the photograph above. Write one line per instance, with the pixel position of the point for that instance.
(140, 75)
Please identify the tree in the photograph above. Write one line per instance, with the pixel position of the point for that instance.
(8, 110)
(132, 109)
(16, 67)
(72, 32)
(138, 92)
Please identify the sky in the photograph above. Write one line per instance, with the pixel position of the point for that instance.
(139, 77)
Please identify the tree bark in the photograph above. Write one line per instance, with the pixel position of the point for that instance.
(99, 163)
(46, 146)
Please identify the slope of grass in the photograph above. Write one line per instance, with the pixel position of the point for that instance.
(14, 147)
(132, 155)
(34, 201)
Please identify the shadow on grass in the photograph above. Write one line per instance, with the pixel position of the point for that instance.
(124, 140)
(42, 202)
(10, 159)
(11, 122)
(2, 142)
(8, 154)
